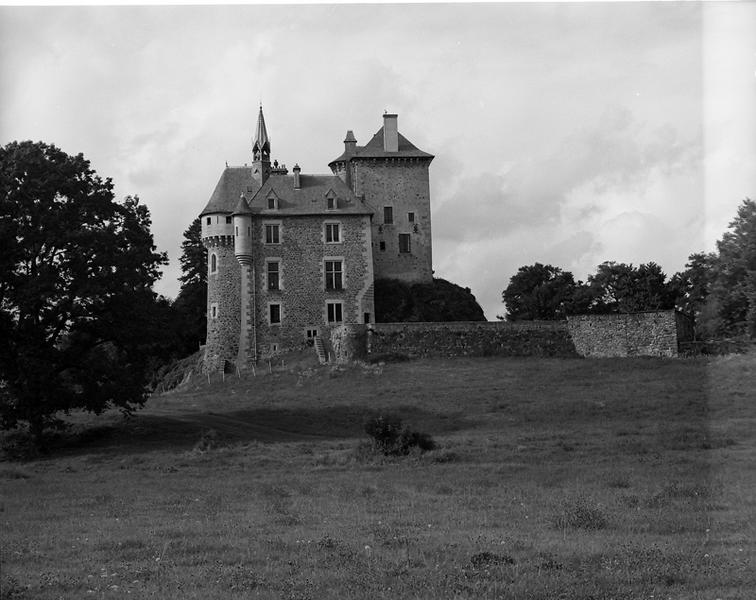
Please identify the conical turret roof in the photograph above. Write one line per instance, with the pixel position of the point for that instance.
(262, 142)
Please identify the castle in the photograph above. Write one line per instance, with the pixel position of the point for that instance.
(291, 256)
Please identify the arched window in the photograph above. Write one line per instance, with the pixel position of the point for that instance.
(213, 263)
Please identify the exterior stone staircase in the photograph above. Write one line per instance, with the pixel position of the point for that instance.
(320, 350)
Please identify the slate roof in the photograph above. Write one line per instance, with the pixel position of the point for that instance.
(309, 199)
(232, 183)
(374, 149)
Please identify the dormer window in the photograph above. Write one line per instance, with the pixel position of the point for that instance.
(272, 203)
(331, 204)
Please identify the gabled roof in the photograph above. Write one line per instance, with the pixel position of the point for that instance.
(309, 199)
(374, 149)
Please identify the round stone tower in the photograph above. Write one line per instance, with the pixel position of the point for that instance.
(223, 290)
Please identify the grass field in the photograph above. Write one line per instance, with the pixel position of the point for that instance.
(569, 479)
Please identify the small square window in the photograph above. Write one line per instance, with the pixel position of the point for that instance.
(229, 220)
(405, 243)
(332, 233)
(388, 215)
(382, 246)
(334, 312)
(275, 314)
(272, 234)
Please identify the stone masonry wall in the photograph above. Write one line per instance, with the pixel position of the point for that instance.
(404, 185)
(476, 338)
(636, 334)
(302, 253)
(223, 292)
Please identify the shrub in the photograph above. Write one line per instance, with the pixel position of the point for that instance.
(391, 439)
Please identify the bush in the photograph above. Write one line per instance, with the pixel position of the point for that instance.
(391, 439)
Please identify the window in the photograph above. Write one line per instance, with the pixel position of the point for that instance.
(228, 220)
(404, 243)
(272, 234)
(411, 217)
(334, 312)
(209, 220)
(271, 203)
(331, 204)
(333, 275)
(332, 233)
(213, 263)
(237, 232)
(366, 318)
(388, 215)
(274, 282)
(275, 314)
(214, 310)
(382, 246)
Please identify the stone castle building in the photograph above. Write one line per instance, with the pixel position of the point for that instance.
(291, 256)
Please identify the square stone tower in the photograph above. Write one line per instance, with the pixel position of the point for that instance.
(390, 174)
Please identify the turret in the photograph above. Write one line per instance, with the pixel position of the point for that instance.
(243, 231)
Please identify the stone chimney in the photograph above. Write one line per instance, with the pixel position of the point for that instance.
(390, 133)
(350, 143)
(296, 171)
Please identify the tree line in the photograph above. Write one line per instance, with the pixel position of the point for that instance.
(717, 288)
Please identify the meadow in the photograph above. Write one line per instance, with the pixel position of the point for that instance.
(551, 479)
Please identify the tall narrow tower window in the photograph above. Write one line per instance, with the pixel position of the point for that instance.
(405, 243)
(213, 263)
(388, 215)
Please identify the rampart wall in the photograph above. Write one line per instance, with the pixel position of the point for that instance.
(639, 334)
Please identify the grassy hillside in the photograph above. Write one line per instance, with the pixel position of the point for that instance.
(553, 479)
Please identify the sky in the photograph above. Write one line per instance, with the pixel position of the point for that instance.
(567, 133)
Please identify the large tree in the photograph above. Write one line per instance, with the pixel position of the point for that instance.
(77, 311)
(733, 285)
(538, 292)
(620, 287)
(191, 303)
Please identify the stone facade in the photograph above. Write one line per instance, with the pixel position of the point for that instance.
(292, 257)
(403, 186)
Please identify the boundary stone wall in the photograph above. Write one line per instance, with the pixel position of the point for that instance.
(472, 338)
(657, 333)
(653, 333)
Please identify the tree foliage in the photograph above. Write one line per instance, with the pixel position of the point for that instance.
(397, 302)
(545, 292)
(621, 287)
(78, 318)
(538, 292)
(190, 305)
(720, 287)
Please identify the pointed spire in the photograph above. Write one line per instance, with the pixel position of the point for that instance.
(261, 147)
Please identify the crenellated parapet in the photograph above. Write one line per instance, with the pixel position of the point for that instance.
(218, 241)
